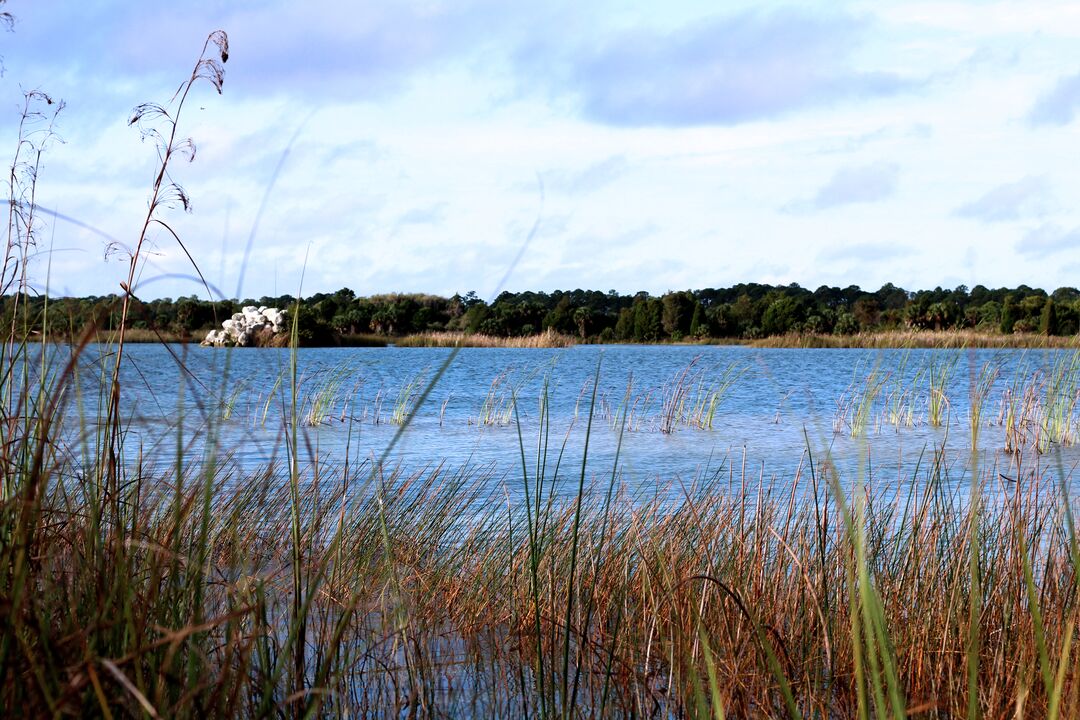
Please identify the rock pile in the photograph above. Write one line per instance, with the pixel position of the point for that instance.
(250, 327)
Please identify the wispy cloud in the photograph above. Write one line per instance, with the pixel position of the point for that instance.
(864, 252)
(854, 143)
(720, 71)
(1059, 105)
(587, 180)
(1048, 239)
(430, 215)
(1028, 196)
(852, 185)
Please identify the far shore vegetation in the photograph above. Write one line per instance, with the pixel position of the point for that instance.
(749, 313)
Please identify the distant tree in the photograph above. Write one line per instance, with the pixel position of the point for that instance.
(846, 324)
(989, 315)
(624, 326)
(781, 315)
(475, 316)
(648, 325)
(582, 319)
(1048, 322)
(867, 310)
(698, 326)
(561, 317)
(745, 316)
(1008, 315)
(678, 311)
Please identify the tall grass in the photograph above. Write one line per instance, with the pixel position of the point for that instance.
(910, 338)
(693, 395)
(546, 339)
(937, 403)
(855, 406)
(1038, 408)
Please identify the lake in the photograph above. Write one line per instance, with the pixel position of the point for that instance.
(692, 414)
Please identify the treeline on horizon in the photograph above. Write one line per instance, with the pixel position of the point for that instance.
(744, 311)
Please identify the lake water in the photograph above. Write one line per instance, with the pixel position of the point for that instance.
(744, 412)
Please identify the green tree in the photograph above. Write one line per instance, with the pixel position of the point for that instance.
(1048, 322)
(678, 310)
(781, 315)
(582, 318)
(1008, 315)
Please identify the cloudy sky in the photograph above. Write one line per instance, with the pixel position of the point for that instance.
(424, 146)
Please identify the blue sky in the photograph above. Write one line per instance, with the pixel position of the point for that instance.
(651, 146)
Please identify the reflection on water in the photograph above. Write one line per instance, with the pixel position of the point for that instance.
(691, 413)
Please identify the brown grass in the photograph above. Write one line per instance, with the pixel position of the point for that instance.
(426, 604)
(919, 339)
(546, 339)
(140, 335)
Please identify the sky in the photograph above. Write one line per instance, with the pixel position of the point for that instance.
(490, 145)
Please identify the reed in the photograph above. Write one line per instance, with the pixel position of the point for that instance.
(546, 339)
(937, 401)
(584, 598)
(855, 406)
(693, 395)
(900, 399)
(406, 403)
(980, 384)
(326, 399)
(1058, 423)
(930, 339)
(497, 408)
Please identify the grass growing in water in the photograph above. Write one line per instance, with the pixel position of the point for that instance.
(694, 394)
(937, 402)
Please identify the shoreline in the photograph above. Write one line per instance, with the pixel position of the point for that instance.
(879, 340)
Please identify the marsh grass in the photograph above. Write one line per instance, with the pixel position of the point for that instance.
(856, 404)
(546, 339)
(900, 399)
(693, 395)
(406, 403)
(498, 406)
(937, 402)
(928, 339)
(1038, 408)
(980, 384)
(142, 335)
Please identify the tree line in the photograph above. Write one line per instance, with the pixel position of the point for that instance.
(743, 311)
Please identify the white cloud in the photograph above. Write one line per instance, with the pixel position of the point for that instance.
(851, 185)
(1028, 196)
(1047, 240)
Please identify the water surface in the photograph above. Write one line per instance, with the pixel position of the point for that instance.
(769, 408)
